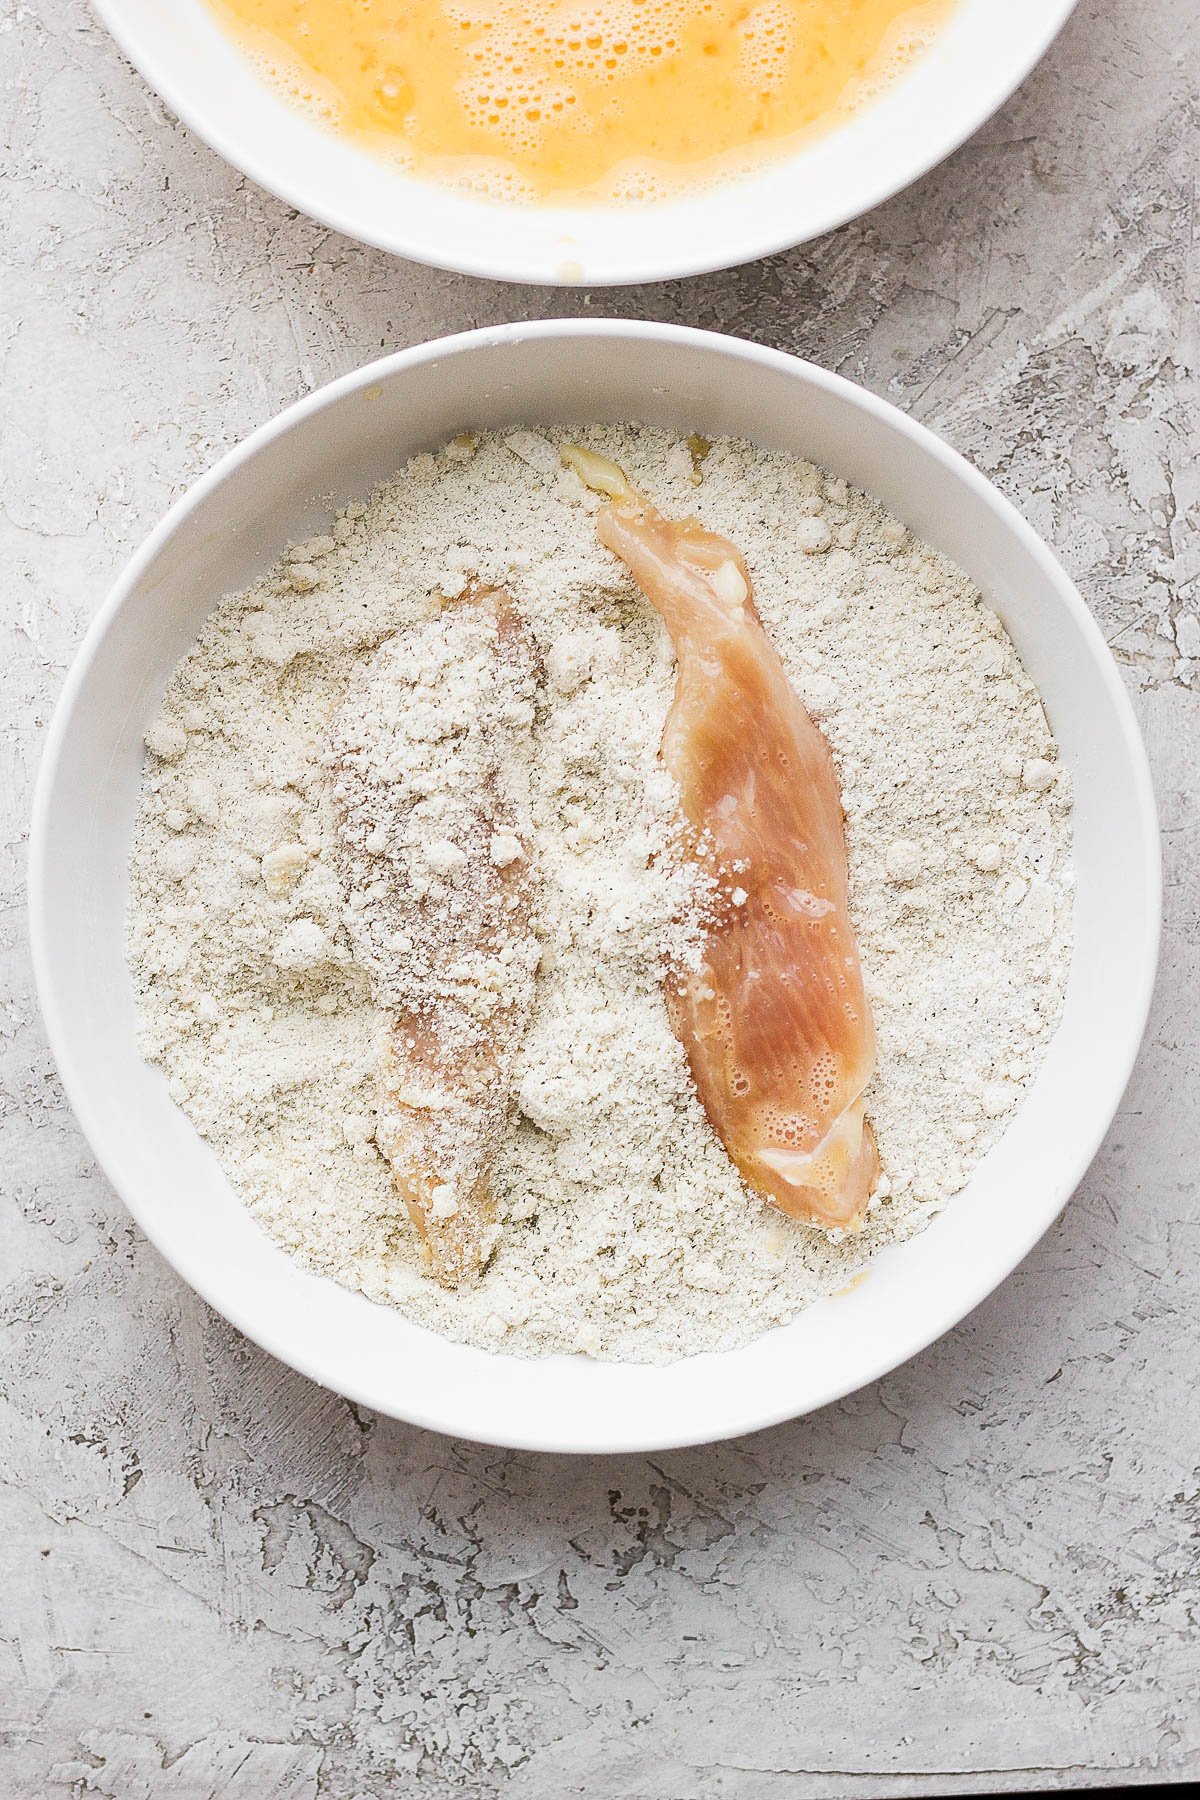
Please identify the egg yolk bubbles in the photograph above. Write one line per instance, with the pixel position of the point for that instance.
(572, 99)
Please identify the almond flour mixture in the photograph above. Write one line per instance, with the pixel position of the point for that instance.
(626, 1230)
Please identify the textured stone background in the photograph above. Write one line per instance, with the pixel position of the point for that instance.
(220, 1580)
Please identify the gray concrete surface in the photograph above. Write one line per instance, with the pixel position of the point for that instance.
(979, 1574)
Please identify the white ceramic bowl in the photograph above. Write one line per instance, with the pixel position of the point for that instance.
(280, 485)
(986, 50)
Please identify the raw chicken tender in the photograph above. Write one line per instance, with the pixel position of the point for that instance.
(431, 755)
(775, 1023)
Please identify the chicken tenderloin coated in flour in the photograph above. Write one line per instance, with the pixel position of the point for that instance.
(430, 757)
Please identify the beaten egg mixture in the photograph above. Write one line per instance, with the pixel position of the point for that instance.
(624, 100)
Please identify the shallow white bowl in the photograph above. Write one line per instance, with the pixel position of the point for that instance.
(985, 52)
(280, 485)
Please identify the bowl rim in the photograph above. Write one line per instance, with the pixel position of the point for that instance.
(423, 246)
(426, 1412)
